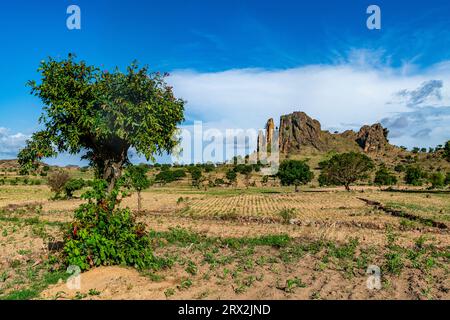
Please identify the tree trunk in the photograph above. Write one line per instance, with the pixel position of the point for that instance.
(113, 162)
(347, 187)
(112, 173)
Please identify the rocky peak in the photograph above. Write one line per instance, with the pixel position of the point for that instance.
(372, 138)
(298, 129)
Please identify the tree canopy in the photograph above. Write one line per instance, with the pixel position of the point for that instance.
(345, 169)
(102, 115)
(294, 172)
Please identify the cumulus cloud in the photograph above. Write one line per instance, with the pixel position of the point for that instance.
(352, 92)
(425, 93)
(10, 143)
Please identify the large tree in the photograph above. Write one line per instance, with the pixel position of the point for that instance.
(345, 169)
(294, 172)
(102, 115)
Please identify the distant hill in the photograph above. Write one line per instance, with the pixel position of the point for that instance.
(300, 136)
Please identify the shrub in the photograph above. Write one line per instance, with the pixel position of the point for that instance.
(384, 177)
(196, 175)
(56, 181)
(287, 214)
(294, 172)
(231, 176)
(437, 180)
(73, 185)
(167, 176)
(102, 235)
(414, 175)
(447, 178)
(399, 168)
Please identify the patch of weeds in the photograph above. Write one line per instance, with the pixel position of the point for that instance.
(152, 275)
(394, 259)
(316, 296)
(169, 292)
(23, 252)
(191, 268)
(14, 264)
(4, 276)
(94, 292)
(291, 284)
(185, 284)
(287, 215)
(407, 224)
(80, 296)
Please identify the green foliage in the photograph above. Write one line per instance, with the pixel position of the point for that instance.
(209, 167)
(243, 169)
(437, 180)
(73, 185)
(231, 175)
(447, 151)
(414, 175)
(447, 178)
(399, 168)
(136, 177)
(103, 114)
(196, 176)
(384, 177)
(103, 235)
(167, 176)
(345, 169)
(287, 214)
(294, 172)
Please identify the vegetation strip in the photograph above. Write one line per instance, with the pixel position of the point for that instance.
(402, 214)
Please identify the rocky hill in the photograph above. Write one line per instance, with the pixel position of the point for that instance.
(298, 132)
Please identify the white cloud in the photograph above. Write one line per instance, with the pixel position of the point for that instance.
(356, 92)
(10, 143)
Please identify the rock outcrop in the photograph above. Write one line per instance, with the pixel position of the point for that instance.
(298, 131)
(372, 138)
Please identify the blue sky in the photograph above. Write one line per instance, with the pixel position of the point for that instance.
(239, 62)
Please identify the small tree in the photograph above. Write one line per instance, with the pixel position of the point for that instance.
(102, 114)
(345, 169)
(56, 181)
(231, 175)
(384, 177)
(294, 172)
(196, 175)
(437, 180)
(136, 178)
(414, 175)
